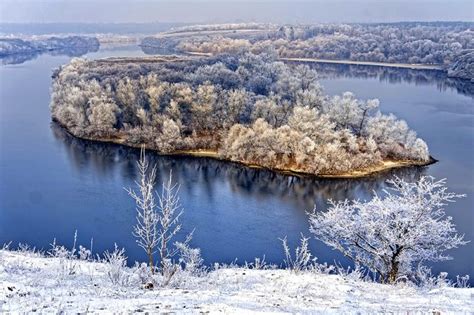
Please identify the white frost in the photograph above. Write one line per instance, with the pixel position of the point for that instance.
(29, 282)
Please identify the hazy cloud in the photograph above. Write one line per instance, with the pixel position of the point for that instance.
(235, 10)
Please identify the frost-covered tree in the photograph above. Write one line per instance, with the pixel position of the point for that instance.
(169, 138)
(202, 107)
(349, 112)
(318, 127)
(237, 100)
(146, 229)
(102, 115)
(169, 213)
(157, 220)
(391, 234)
(127, 98)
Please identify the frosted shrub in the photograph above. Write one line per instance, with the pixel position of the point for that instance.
(59, 251)
(24, 248)
(258, 264)
(324, 268)
(302, 259)
(190, 259)
(143, 272)
(168, 225)
(462, 281)
(424, 278)
(116, 263)
(157, 223)
(67, 258)
(168, 271)
(355, 273)
(6, 246)
(84, 253)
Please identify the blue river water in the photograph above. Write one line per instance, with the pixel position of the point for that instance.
(52, 184)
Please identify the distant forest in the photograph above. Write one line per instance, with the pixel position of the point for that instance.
(426, 43)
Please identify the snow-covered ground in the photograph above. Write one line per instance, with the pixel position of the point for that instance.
(30, 282)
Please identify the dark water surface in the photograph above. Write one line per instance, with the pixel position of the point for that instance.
(52, 184)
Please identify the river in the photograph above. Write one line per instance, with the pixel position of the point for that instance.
(52, 184)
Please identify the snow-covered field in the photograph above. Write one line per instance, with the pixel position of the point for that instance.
(30, 282)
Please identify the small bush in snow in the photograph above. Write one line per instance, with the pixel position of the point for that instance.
(302, 259)
(190, 258)
(25, 248)
(259, 264)
(143, 272)
(116, 262)
(322, 268)
(67, 258)
(355, 273)
(462, 281)
(6, 246)
(424, 278)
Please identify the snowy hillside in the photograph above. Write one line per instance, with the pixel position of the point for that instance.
(30, 282)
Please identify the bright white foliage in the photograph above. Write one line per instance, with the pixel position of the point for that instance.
(116, 263)
(146, 228)
(169, 137)
(170, 211)
(248, 108)
(390, 234)
(102, 116)
(303, 257)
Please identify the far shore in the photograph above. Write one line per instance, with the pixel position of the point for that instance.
(414, 66)
(213, 154)
(208, 32)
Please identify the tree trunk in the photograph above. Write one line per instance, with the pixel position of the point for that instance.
(394, 265)
(150, 261)
(162, 257)
(392, 276)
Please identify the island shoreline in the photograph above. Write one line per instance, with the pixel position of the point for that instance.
(386, 166)
(417, 66)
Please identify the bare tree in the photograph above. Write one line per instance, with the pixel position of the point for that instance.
(170, 211)
(158, 220)
(146, 228)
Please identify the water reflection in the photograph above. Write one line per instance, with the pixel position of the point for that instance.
(108, 159)
(70, 52)
(151, 50)
(395, 75)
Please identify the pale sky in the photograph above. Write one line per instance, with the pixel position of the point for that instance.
(207, 11)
